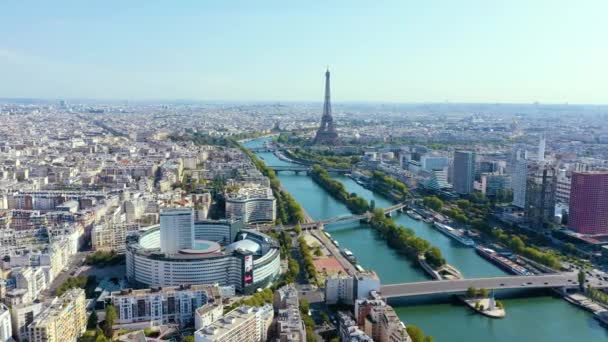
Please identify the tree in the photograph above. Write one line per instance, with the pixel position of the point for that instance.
(483, 293)
(372, 205)
(189, 338)
(304, 306)
(429, 339)
(111, 316)
(471, 292)
(92, 321)
(433, 202)
(298, 229)
(415, 333)
(463, 204)
(434, 258)
(481, 307)
(581, 280)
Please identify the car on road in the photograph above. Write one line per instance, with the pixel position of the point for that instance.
(502, 284)
(529, 283)
(523, 284)
(546, 283)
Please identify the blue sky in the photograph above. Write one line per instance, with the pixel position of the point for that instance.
(388, 51)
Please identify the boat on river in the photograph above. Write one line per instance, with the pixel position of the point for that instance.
(455, 234)
(501, 261)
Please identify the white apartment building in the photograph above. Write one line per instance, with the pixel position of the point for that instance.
(252, 204)
(158, 306)
(243, 324)
(112, 236)
(21, 317)
(30, 279)
(6, 330)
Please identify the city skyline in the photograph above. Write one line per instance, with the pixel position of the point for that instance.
(401, 52)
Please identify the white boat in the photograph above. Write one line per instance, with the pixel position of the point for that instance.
(454, 234)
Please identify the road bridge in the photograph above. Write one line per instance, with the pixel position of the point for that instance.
(460, 286)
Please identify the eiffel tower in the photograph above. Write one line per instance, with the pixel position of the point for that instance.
(326, 134)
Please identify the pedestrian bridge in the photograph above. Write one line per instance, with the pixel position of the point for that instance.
(460, 286)
(305, 168)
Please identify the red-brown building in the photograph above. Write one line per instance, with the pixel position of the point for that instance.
(589, 202)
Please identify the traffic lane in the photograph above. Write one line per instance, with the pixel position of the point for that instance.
(463, 285)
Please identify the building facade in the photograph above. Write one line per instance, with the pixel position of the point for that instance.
(464, 172)
(159, 306)
(243, 324)
(289, 326)
(252, 204)
(589, 203)
(6, 329)
(541, 187)
(64, 320)
(247, 264)
(176, 232)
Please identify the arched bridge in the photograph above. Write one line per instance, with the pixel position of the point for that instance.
(263, 149)
(460, 286)
(345, 218)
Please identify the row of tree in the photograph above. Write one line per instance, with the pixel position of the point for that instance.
(517, 244)
(324, 158)
(476, 213)
(307, 260)
(388, 186)
(335, 188)
(405, 240)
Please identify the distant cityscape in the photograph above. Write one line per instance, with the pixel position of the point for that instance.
(189, 222)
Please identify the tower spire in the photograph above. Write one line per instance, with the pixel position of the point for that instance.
(326, 134)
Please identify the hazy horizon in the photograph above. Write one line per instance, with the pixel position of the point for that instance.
(403, 52)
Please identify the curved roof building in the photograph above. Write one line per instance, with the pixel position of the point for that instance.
(251, 261)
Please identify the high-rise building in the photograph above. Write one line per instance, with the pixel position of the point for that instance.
(519, 175)
(176, 230)
(464, 172)
(589, 202)
(541, 148)
(541, 185)
(64, 320)
(326, 134)
(564, 181)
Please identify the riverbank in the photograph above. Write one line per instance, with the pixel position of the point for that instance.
(562, 321)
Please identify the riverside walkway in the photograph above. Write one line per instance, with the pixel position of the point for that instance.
(560, 280)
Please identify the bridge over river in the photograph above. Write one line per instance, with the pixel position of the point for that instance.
(342, 219)
(460, 286)
(306, 168)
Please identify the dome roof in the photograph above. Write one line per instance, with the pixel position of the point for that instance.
(244, 245)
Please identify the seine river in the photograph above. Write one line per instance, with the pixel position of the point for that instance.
(536, 318)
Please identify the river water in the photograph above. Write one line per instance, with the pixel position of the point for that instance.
(539, 318)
